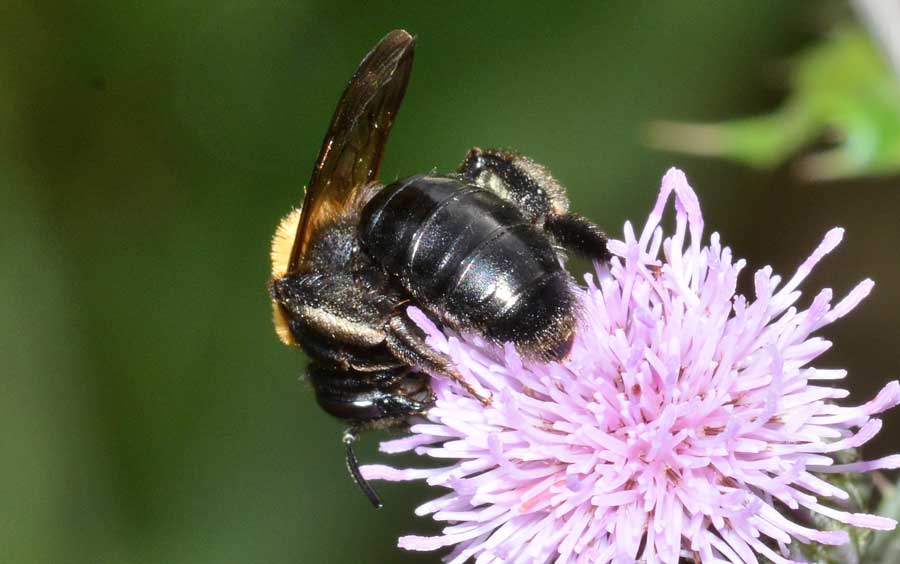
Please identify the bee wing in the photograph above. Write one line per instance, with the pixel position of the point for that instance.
(352, 151)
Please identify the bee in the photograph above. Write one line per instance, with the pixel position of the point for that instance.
(478, 250)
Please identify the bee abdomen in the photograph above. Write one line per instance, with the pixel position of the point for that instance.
(471, 259)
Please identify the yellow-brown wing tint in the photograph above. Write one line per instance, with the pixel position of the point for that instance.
(353, 147)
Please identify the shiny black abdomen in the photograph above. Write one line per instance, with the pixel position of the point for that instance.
(471, 259)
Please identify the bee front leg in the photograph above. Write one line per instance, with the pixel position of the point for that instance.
(407, 342)
(517, 179)
(538, 195)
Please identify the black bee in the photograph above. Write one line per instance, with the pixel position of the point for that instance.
(478, 251)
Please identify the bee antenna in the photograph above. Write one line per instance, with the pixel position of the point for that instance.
(350, 436)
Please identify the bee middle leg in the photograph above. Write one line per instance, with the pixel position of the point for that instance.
(407, 342)
(538, 195)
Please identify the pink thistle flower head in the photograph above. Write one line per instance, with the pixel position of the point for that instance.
(686, 422)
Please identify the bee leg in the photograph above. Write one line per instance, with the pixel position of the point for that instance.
(407, 342)
(540, 197)
(349, 437)
(518, 180)
(579, 235)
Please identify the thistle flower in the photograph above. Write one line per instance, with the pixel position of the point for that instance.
(686, 422)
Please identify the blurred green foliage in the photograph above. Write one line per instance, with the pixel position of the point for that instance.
(884, 547)
(147, 149)
(843, 94)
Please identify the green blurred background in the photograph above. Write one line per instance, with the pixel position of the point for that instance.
(148, 414)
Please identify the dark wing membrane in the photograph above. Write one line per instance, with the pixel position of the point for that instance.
(353, 147)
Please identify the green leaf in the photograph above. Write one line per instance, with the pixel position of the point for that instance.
(884, 547)
(843, 94)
